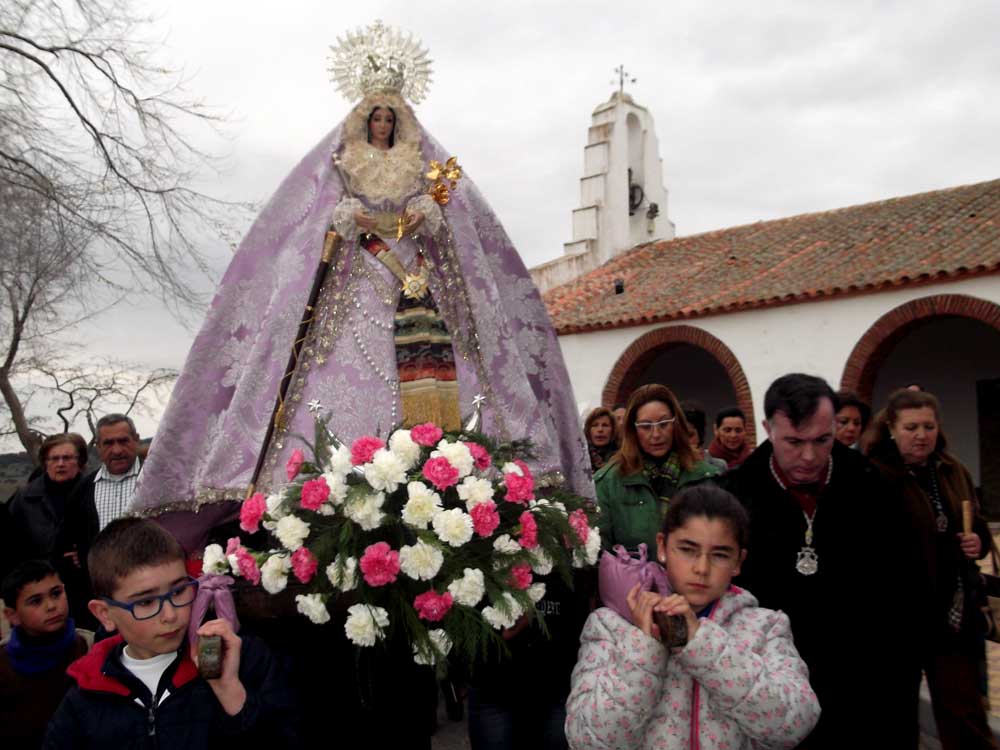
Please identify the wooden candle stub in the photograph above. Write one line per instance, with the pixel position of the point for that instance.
(967, 516)
(673, 629)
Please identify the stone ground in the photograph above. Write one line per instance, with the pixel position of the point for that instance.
(450, 735)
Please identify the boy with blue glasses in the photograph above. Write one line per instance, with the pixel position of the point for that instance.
(142, 686)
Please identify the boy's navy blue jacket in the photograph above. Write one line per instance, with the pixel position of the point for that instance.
(110, 708)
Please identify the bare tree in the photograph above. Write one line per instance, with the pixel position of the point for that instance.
(97, 186)
(92, 122)
(43, 275)
(82, 395)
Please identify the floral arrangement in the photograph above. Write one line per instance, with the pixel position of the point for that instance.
(441, 535)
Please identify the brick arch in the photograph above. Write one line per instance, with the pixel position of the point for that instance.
(874, 346)
(641, 353)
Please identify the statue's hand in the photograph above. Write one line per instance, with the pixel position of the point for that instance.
(413, 220)
(364, 220)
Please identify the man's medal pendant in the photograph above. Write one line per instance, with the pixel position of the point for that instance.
(807, 562)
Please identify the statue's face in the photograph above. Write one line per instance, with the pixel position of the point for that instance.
(380, 126)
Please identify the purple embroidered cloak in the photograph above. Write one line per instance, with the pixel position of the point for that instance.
(213, 429)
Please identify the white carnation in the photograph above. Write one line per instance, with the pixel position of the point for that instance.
(403, 446)
(588, 555)
(312, 606)
(420, 561)
(541, 563)
(338, 487)
(340, 461)
(214, 560)
(458, 455)
(364, 624)
(560, 507)
(516, 610)
(422, 506)
(274, 573)
(234, 565)
(386, 471)
(505, 545)
(468, 589)
(349, 578)
(453, 526)
(291, 532)
(536, 592)
(275, 510)
(511, 468)
(475, 491)
(442, 643)
(366, 511)
(495, 617)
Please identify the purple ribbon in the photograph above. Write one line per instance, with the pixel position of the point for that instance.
(213, 590)
(652, 576)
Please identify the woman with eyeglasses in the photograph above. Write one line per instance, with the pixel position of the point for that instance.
(36, 512)
(654, 461)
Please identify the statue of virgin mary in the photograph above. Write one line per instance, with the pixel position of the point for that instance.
(425, 309)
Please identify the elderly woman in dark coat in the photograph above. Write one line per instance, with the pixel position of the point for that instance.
(908, 446)
(35, 514)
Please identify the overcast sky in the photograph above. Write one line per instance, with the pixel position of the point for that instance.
(762, 110)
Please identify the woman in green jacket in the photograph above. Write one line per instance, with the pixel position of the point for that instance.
(655, 460)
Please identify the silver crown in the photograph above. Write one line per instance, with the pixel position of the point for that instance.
(379, 58)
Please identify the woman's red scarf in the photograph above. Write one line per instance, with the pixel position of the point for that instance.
(731, 457)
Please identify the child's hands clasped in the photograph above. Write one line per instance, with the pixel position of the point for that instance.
(228, 688)
(642, 604)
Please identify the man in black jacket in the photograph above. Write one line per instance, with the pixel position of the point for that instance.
(825, 548)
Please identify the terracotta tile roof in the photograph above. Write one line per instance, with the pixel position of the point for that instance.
(917, 238)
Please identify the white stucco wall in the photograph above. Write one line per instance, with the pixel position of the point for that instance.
(813, 337)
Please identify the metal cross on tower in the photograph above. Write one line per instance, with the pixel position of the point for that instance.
(623, 77)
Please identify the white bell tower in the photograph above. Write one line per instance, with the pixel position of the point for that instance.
(623, 202)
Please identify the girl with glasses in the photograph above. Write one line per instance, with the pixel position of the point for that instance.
(736, 681)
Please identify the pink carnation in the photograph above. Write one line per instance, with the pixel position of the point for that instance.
(314, 493)
(524, 468)
(519, 489)
(529, 530)
(244, 561)
(480, 455)
(520, 576)
(439, 472)
(304, 564)
(364, 448)
(248, 566)
(380, 564)
(485, 518)
(578, 522)
(294, 464)
(427, 434)
(432, 606)
(251, 512)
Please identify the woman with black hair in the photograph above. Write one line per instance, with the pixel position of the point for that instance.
(853, 416)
